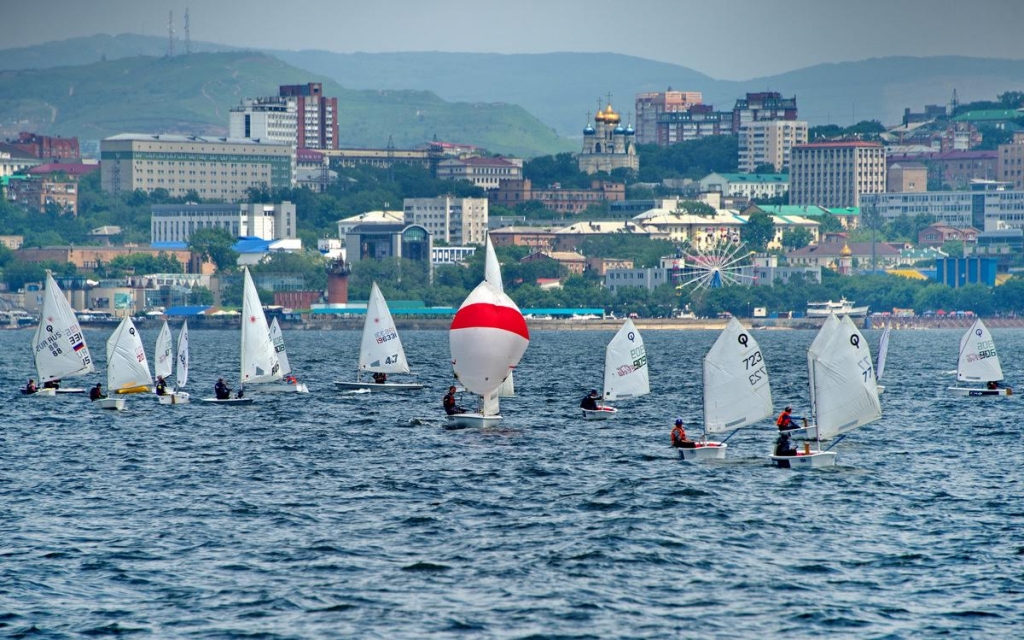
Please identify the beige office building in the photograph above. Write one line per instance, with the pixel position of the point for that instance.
(836, 174)
(1010, 162)
(456, 221)
(215, 168)
(769, 142)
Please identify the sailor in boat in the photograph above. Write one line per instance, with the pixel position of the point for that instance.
(380, 377)
(221, 390)
(589, 402)
(96, 393)
(161, 386)
(785, 420)
(52, 384)
(679, 439)
(784, 446)
(450, 406)
(30, 386)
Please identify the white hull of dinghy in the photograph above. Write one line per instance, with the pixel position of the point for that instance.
(113, 404)
(176, 397)
(471, 421)
(601, 413)
(979, 392)
(234, 401)
(703, 451)
(281, 387)
(373, 386)
(813, 460)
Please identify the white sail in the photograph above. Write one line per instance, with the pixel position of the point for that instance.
(978, 359)
(883, 351)
(625, 365)
(127, 367)
(162, 363)
(181, 375)
(58, 344)
(846, 392)
(381, 349)
(492, 274)
(488, 337)
(828, 328)
(736, 389)
(259, 359)
(277, 337)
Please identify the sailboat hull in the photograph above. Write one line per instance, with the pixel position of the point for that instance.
(980, 392)
(231, 401)
(601, 413)
(471, 421)
(281, 387)
(111, 404)
(373, 386)
(703, 451)
(176, 397)
(814, 460)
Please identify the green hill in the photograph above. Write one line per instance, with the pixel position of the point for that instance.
(193, 95)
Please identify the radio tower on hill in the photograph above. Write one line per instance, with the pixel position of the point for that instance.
(170, 34)
(188, 39)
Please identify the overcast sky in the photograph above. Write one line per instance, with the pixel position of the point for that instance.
(725, 39)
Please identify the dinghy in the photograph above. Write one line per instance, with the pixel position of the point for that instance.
(177, 396)
(736, 390)
(127, 367)
(288, 383)
(380, 350)
(844, 394)
(58, 343)
(488, 337)
(258, 355)
(625, 371)
(978, 365)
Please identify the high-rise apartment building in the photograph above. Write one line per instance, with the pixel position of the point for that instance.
(317, 115)
(651, 105)
(1010, 162)
(273, 118)
(836, 174)
(457, 221)
(769, 142)
(767, 105)
(216, 168)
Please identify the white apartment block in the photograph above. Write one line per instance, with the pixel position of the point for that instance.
(753, 186)
(274, 118)
(836, 174)
(988, 206)
(456, 221)
(214, 168)
(177, 222)
(486, 173)
(769, 142)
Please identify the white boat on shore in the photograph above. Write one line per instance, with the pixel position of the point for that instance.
(842, 308)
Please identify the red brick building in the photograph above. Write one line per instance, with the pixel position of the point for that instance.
(46, 147)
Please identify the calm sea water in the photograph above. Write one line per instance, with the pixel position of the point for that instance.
(341, 515)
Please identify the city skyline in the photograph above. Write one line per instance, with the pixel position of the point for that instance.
(801, 33)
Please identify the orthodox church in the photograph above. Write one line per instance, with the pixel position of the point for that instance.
(607, 145)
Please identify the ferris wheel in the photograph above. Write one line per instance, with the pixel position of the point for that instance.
(714, 267)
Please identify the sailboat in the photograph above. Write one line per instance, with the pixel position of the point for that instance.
(736, 390)
(492, 274)
(883, 352)
(625, 371)
(979, 364)
(127, 367)
(58, 344)
(162, 366)
(258, 356)
(380, 350)
(488, 337)
(844, 393)
(288, 383)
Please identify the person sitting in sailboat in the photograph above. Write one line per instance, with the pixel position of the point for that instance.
(450, 407)
(679, 439)
(161, 386)
(380, 377)
(30, 387)
(589, 401)
(784, 446)
(992, 384)
(52, 384)
(221, 390)
(96, 393)
(785, 420)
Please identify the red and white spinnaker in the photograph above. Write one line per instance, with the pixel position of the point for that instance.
(488, 336)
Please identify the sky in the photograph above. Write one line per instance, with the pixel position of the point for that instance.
(725, 39)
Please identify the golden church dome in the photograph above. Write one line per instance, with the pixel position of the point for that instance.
(610, 116)
(846, 252)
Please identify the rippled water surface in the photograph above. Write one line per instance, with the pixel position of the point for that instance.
(343, 515)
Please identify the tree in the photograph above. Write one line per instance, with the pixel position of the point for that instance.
(797, 238)
(829, 223)
(759, 231)
(767, 167)
(214, 244)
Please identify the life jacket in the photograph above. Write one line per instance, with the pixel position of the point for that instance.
(678, 434)
(784, 419)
